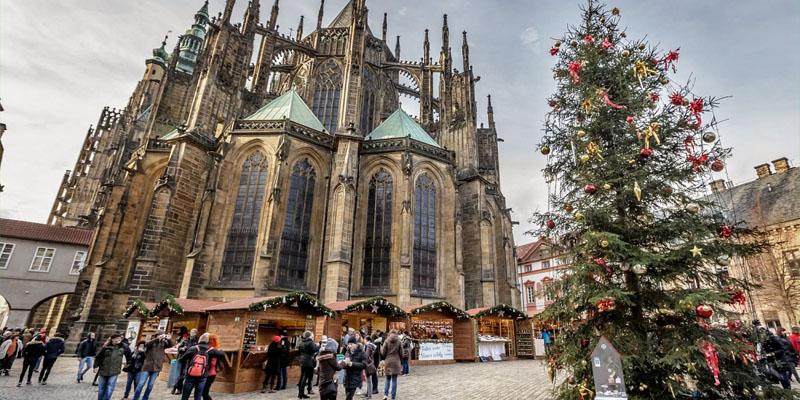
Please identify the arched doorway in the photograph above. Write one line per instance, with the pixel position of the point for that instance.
(5, 309)
(49, 314)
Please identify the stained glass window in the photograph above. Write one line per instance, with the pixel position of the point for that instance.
(326, 95)
(293, 259)
(424, 233)
(377, 245)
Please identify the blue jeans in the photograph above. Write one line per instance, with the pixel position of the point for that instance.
(191, 382)
(38, 363)
(393, 379)
(130, 383)
(87, 361)
(404, 363)
(284, 376)
(143, 377)
(106, 387)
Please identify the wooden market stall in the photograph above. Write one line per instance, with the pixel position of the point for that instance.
(442, 333)
(140, 325)
(367, 315)
(503, 333)
(246, 327)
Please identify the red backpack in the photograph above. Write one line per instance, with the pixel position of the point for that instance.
(198, 364)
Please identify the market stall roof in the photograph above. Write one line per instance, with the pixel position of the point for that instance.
(501, 310)
(241, 304)
(138, 305)
(436, 306)
(372, 304)
(181, 305)
(294, 299)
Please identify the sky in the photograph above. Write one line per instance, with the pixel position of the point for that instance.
(61, 62)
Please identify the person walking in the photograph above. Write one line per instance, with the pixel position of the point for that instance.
(186, 340)
(30, 354)
(214, 367)
(108, 365)
(328, 367)
(272, 365)
(355, 363)
(370, 349)
(198, 359)
(53, 349)
(9, 350)
(43, 338)
(284, 367)
(392, 353)
(408, 345)
(346, 339)
(789, 355)
(87, 350)
(134, 367)
(321, 346)
(794, 339)
(308, 349)
(377, 340)
(151, 366)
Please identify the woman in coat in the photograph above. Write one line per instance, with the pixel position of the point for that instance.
(392, 353)
(307, 350)
(30, 354)
(133, 368)
(327, 364)
(354, 364)
(53, 349)
(9, 351)
(273, 365)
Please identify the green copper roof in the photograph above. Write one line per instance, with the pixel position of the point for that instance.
(171, 135)
(288, 106)
(160, 54)
(399, 125)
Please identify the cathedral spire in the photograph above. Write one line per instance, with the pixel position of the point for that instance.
(273, 15)
(490, 111)
(465, 51)
(426, 49)
(251, 17)
(192, 41)
(160, 54)
(384, 27)
(226, 15)
(397, 48)
(445, 35)
(300, 29)
(319, 16)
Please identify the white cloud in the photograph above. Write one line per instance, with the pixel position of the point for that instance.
(530, 36)
(403, 11)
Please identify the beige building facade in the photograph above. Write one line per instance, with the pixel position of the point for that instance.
(221, 180)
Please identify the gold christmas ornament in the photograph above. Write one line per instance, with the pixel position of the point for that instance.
(604, 243)
(557, 43)
(723, 260)
(584, 157)
(573, 42)
(626, 53)
(639, 269)
(581, 133)
(696, 251)
(579, 216)
(615, 11)
(709, 137)
(693, 207)
(642, 46)
(606, 186)
(665, 81)
(602, 19)
(637, 191)
(545, 150)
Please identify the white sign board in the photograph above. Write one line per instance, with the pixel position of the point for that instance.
(435, 351)
(132, 332)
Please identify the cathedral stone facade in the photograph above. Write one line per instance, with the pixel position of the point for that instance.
(224, 179)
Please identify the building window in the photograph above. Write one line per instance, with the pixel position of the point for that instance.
(6, 249)
(539, 290)
(378, 242)
(528, 268)
(531, 295)
(793, 262)
(424, 233)
(78, 262)
(42, 259)
(545, 264)
(368, 101)
(293, 261)
(243, 233)
(547, 287)
(326, 95)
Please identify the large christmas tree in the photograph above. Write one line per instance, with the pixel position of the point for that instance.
(631, 151)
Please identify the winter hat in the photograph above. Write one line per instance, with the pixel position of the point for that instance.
(276, 339)
(307, 335)
(352, 340)
(331, 346)
(115, 335)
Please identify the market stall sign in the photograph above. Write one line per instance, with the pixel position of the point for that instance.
(435, 351)
(609, 380)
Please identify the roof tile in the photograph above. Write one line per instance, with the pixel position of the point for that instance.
(44, 232)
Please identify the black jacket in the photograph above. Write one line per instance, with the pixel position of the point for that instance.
(33, 350)
(136, 362)
(54, 348)
(274, 354)
(285, 354)
(87, 348)
(200, 347)
(307, 349)
(352, 374)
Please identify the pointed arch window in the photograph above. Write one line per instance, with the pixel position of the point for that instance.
(377, 245)
(368, 101)
(240, 248)
(424, 234)
(326, 95)
(293, 259)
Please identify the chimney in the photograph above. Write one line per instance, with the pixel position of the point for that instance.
(781, 165)
(717, 186)
(763, 171)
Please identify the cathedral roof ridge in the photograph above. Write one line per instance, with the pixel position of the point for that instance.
(288, 106)
(400, 125)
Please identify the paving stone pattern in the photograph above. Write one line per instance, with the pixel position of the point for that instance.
(522, 379)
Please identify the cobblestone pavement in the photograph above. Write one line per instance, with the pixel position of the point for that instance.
(522, 379)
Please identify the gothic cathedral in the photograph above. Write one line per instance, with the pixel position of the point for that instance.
(224, 178)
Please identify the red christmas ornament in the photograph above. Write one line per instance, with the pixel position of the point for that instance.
(554, 51)
(646, 152)
(629, 119)
(734, 326)
(606, 44)
(696, 106)
(725, 231)
(568, 208)
(590, 189)
(574, 70)
(676, 99)
(602, 262)
(670, 59)
(710, 354)
(584, 343)
(551, 224)
(606, 304)
(737, 298)
(668, 189)
(654, 97)
(551, 103)
(588, 39)
(717, 166)
(704, 310)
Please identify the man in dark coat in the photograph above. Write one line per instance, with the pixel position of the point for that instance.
(392, 353)
(284, 367)
(307, 349)
(86, 352)
(272, 365)
(151, 367)
(185, 342)
(108, 365)
(328, 365)
(785, 356)
(354, 364)
(53, 349)
(30, 355)
(197, 382)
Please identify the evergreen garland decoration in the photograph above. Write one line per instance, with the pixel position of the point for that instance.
(293, 297)
(436, 306)
(378, 301)
(137, 304)
(168, 302)
(512, 312)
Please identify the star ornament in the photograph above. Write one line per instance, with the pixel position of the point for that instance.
(374, 309)
(501, 313)
(696, 251)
